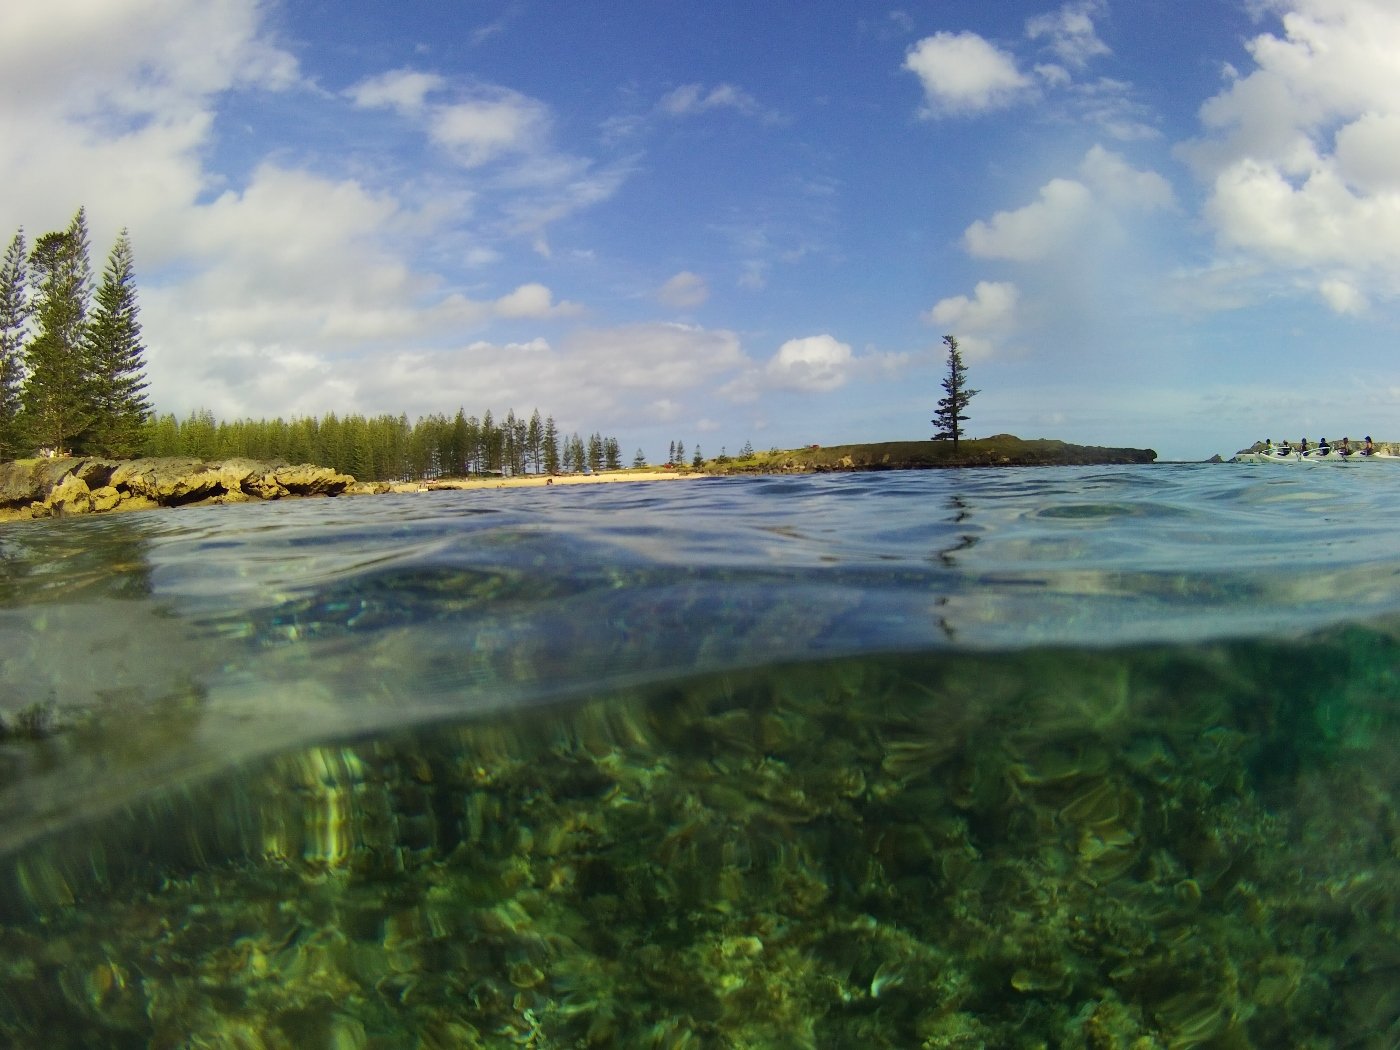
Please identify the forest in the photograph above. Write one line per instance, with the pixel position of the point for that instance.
(388, 447)
(73, 382)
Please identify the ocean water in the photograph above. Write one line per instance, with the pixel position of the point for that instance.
(1099, 757)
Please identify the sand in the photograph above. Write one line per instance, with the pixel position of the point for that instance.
(537, 480)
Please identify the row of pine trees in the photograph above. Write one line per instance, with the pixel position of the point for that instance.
(72, 367)
(72, 381)
(388, 447)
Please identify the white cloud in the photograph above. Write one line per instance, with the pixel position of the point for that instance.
(963, 73)
(1368, 153)
(135, 56)
(690, 99)
(980, 322)
(533, 301)
(402, 90)
(1036, 231)
(1069, 32)
(814, 364)
(684, 290)
(481, 129)
(1300, 154)
(1123, 186)
(1057, 222)
(1342, 296)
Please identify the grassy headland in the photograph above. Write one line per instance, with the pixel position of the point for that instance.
(1001, 450)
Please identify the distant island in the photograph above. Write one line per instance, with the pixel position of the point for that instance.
(1001, 450)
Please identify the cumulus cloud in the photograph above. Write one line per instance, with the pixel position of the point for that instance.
(1300, 153)
(1035, 231)
(814, 364)
(1121, 185)
(964, 73)
(684, 291)
(1066, 208)
(981, 321)
(534, 301)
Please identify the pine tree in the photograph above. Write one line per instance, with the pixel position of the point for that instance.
(639, 460)
(551, 446)
(679, 458)
(534, 440)
(948, 417)
(699, 460)
(56, 399)
(14, 313)
(116, 359)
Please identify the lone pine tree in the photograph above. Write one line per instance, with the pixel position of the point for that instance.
(949, 416)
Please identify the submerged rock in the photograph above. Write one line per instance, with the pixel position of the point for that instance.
(55, 487)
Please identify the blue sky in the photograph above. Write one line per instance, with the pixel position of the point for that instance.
(1164, 223)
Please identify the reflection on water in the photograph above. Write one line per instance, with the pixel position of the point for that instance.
(989, 758)
(1140, 848)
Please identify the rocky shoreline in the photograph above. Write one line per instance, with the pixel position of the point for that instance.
(44, 488)
(58, 487)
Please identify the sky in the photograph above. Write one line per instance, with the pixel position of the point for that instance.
(1171, 224)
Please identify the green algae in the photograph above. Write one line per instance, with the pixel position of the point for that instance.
(1140, 849)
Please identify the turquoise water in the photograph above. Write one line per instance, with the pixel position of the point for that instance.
(1046, 757)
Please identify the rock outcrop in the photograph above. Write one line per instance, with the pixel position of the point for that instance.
(41, 488)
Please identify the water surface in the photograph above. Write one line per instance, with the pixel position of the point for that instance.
(956, 758)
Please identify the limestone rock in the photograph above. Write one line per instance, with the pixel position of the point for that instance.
(69, 496)
(105, 498)
(46, 487)
(170, 481)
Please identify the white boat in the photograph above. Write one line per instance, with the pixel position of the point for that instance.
(1332, 456)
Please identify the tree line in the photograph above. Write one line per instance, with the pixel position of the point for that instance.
(388, 447)
(72, 365)
(72, 382)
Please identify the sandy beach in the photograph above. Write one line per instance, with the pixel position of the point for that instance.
(536, 480)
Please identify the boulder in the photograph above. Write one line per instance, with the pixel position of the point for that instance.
(69, 496)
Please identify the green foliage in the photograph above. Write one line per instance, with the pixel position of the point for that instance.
(72, 370)
(639, 460)
(14, 313)
(116, 359)
(57, 398)
(949, 416)
(379, 448)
